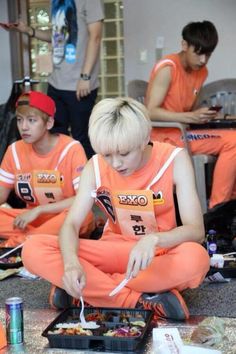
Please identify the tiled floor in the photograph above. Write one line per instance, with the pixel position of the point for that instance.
(35, 321)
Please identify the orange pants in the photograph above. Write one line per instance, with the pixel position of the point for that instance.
(3, 339)
(45, 223)
(215, 142)
(105, 262)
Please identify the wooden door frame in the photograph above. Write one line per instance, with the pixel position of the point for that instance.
(19, 43)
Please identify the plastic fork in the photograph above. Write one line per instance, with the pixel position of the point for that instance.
(83, 322)
(81, 315)
(121, 285)
(9, 252)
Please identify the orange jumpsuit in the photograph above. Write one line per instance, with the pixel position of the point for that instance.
(181, 96)
(38, 180)
(148, 205)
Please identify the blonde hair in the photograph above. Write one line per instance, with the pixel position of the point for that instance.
(118, 125)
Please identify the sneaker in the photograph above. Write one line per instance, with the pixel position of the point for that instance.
(169, 305)
(59, 299)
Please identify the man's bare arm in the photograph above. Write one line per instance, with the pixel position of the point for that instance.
(156, 95)
(20, 26)
(92, 51)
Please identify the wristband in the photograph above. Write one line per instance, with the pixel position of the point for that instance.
(33, 32)
(85, 77)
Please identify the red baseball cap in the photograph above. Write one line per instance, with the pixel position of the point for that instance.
(40, 101)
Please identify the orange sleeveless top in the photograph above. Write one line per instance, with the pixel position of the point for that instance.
(183, 90)
(156, 176)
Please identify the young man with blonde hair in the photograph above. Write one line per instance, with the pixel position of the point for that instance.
(132, 180)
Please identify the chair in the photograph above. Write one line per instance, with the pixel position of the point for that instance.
(137, 90)
(221, 92)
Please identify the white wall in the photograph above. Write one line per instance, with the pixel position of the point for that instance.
(5, 57)
(145, 20)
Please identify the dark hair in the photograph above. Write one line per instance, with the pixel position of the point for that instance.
(202, 36)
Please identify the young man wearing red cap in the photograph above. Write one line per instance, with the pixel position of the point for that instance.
(43, 168)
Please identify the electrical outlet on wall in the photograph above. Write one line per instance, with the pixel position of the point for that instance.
(143, 56)
(160, 42)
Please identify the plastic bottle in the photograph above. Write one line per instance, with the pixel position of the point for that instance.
(211, 242)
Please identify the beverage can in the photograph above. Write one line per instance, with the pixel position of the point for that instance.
(14, 320)
(211, 242)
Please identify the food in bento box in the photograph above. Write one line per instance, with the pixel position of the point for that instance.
(127, 331)
(138, 323)
(96, 316)
(115, 317)
(70, 329)
(119, 329)
(127, 317)
(11, 260)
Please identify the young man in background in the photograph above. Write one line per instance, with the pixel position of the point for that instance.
(173, 88)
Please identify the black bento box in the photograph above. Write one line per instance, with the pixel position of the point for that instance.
(8, 261)
(228, 271)
(108, 319)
